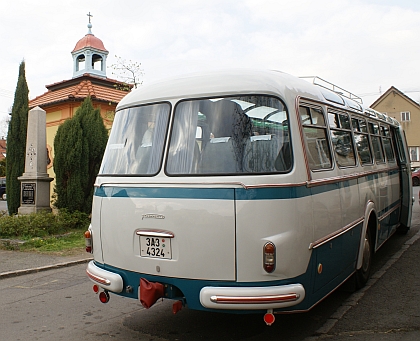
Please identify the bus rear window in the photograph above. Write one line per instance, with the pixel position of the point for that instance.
(231, 135)
(135, 145)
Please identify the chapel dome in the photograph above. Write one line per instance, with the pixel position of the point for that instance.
(89, 40)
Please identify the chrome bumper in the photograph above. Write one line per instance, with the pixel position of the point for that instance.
(105, 279)
(252, 298)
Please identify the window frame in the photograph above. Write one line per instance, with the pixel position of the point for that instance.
(405, 116)
(226, 96)
(377, 137)
(386, 135)
(163, 151)
(339, 128)
(317, 126)
(417, 150)
(363, 131)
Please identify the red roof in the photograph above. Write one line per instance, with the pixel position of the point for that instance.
(102, 89)
(89, 40)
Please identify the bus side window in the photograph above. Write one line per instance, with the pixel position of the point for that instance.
(376, 142)
(386, 140)
(342, 139)
(362, 141)
(315, 132)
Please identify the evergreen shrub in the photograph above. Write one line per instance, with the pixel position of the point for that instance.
(42, 224)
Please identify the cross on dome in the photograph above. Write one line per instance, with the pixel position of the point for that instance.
(89, 25)
(89, 55)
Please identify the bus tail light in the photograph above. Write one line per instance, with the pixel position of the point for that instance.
(88, 241)
(269, 257)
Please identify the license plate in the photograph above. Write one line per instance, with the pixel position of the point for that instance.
(155, 247)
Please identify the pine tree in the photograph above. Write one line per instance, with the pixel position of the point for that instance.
(78, 147)
(16, 141)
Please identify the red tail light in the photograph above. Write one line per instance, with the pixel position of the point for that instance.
(269, 257)
(88, 241)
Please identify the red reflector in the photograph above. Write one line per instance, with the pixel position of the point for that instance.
(89, 249)
(269, 319)
(104, 297)
(95, 288)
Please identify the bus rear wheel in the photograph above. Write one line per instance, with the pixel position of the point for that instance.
(363, 274)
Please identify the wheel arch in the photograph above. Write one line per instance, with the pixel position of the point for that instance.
(370, 222)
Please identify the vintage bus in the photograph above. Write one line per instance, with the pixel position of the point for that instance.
(244, 191)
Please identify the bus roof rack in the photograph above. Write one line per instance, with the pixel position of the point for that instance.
(330, 86)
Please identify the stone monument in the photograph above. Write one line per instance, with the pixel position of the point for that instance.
(35, 181)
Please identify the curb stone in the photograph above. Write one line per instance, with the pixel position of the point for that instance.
(16, 273)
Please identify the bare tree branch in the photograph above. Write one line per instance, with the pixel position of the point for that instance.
(128, 71)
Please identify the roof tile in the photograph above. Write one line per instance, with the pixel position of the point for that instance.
(89, 86)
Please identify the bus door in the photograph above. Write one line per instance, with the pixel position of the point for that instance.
(405, 178)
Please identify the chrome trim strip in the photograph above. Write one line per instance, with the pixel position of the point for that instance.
(310, 183)
(357, 175)
(98, 279)
(335, 234)
(155, 233)
(138, 184)
(386, 214)
(302, 138)
(255, 299)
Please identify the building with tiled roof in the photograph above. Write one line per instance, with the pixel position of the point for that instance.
(63, 98)
(405, 110)
(72, 92)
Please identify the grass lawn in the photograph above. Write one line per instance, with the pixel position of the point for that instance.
(69, 243)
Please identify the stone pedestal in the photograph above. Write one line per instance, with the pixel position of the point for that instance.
(35, 182)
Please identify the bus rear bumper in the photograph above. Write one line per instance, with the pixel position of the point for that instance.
(252, 298)
(105, 279)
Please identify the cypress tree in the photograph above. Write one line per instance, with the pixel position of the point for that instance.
(78, 147)
(16, 141)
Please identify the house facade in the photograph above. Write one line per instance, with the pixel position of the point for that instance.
(406, 111)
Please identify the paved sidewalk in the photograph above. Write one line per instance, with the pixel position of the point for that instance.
(387, 309)
(14, 263)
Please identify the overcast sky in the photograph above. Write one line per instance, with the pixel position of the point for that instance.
(364, 46)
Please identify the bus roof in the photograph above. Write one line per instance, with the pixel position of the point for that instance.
(242, 82)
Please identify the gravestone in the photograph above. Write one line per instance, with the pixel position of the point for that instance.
(35, 181)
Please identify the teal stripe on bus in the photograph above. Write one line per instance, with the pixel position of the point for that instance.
(263, 193)
(291, 192)
(165, 192)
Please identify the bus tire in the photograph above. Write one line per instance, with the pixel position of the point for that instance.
(363, 274)
(402, 229)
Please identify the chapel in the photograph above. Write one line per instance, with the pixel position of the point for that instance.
(63, 98)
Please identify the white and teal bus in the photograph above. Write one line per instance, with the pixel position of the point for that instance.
(244, 191)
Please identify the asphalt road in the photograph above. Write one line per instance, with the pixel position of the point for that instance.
(59, 304)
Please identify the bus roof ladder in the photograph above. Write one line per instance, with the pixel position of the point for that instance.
(330, 86)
